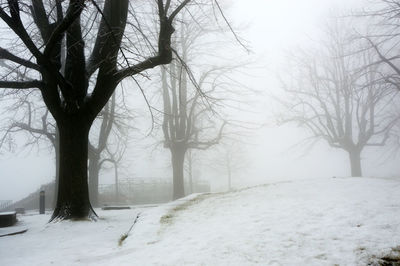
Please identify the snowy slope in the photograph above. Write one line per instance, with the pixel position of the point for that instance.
(313, 222)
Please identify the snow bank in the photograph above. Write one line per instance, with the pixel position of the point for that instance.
(312, 222)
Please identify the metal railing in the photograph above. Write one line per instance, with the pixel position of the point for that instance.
(138, 191)
(5, 204)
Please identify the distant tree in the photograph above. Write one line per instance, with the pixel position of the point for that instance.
(197, 88)
(230, 159)
(111, 133)
(67, 94)
(190, 162)
(114, 157)
(34, 122)
(333, 92)
(382, 38)
(185, 126)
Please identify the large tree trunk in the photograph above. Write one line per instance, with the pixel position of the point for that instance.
(94, 170)
(178, 159)
(57, 157)
(73, 193)
(355, 162)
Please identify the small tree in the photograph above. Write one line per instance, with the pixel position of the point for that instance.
(230, 159)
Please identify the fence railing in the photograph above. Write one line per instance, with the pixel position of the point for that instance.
(131, 191)
(5, 204)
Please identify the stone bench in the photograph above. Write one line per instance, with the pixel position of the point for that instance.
(8, 219)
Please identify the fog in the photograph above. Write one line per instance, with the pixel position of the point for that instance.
(200, 132)
(269, 29)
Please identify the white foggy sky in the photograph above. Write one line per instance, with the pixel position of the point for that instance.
(274, 26)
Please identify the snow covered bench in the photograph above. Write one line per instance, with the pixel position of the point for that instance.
(8, 219)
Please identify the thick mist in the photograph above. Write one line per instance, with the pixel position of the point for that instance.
(269, 29)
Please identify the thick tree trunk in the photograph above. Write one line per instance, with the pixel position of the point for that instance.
(57, 154)
(94, 170)
(178, 159)
(355, 163)
(73, 193)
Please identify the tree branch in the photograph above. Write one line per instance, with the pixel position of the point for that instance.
(21, 84)
(4, 54)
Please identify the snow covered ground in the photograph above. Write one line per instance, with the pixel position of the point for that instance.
(343, 221)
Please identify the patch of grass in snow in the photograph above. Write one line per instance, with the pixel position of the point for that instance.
(391, 259)
(168, 218)
(122, 239)
(165, 219)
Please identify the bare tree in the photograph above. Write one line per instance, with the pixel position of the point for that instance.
(114, 157)
(382, 37)
(24, 116)
(44, 129)
(67, 94)
(111, 131)
(335, 94)
(184, 125)
(196, 91)
(35, 122)
(230, 159)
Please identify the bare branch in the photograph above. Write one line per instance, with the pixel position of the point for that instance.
(4, 54)
(21, 84)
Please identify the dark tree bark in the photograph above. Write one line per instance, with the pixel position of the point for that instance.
(57, 156)
(73, 194)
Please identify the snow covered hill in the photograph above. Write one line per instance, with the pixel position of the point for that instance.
(342, 221)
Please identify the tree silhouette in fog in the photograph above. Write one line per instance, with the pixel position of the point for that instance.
(334, 92)
(71, 100)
